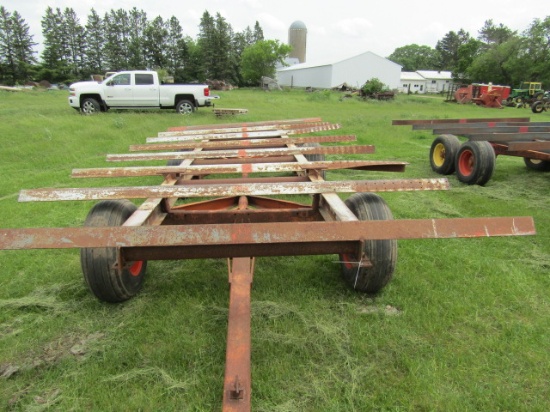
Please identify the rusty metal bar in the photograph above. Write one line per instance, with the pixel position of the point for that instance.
(488, 130)
(206, 190)
(504, 149)
(237, 381)
(244, 143)
(507, 137)
(218, 136)
(441, 121)
(242, 153)
(240, 129)
(377, 165)
(462, 126)
(247, 124)
(534, 145)
(263, 233)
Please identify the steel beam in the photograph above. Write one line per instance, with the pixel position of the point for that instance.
(217, 190)
(242, 153)
(271, 234)
(442, 121)
(375, 165)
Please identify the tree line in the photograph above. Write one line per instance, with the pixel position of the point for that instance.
(126, 40)
(129, 40)
(498, 54)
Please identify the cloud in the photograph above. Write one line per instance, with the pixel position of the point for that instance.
(354, 27)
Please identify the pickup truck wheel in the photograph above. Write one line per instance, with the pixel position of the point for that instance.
(90, 106)
(185, 107)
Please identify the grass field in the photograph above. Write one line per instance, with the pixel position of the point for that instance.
(463, 326)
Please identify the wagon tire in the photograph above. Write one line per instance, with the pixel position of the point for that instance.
(100, 275)
(90, 106)
(185, 107)
(475, 162)
(536, 164)
(381, 253)
(443, 152)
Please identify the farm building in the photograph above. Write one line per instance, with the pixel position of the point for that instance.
(412, 82)
(436, 81)
(354, 71)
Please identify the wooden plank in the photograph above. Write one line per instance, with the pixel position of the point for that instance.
(221, 190)
(246, 124)
(263, 233)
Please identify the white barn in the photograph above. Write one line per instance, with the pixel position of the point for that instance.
(436, 81)
(412, 82)
(354, 71)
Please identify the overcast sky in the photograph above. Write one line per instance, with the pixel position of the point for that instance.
(336, 29)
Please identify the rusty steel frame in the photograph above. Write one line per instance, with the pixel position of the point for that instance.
(195, 214)
(508, 137)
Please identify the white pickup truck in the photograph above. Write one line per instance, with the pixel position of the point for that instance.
(137, 90)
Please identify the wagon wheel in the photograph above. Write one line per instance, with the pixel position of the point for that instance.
(97, 264)
(443, 152)
(475, 162)
(381, 253)
(536, 164)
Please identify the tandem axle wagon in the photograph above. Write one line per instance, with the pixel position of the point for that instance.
(223, 194)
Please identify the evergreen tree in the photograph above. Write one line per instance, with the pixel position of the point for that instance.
(137, 58)
(448, 49)
(74, 39)
(156, 35)
(54, 55)
(117, 35)
(176, 50)
(95, 39)
(16, 48)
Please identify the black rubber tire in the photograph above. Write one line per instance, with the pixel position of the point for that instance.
(90, 106)
(97, 263)
(185, 107)
(382, 253)
(315, 157)
(537, 107)
(443, 152)
(535, 164)
(475, 162)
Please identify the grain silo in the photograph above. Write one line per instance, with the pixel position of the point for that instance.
(297, 36)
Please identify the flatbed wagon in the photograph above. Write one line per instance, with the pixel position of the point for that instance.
(474, 161)
(225, 193)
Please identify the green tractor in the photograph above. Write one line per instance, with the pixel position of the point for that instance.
(528, 92)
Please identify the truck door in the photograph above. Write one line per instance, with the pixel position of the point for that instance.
(146, 92)
(118, 91)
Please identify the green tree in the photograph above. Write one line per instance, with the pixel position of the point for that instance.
(73, 38)
(156, 35)
(55, 52)
(137, 53)
(214, 40)
(94, 37)
(449, 47)
(414, 57)
(261, 58)
(492, 35)
(16, 48)
(536, 53)
(176, 49)
(117, 35)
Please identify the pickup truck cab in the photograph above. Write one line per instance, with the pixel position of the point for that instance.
(137, 90)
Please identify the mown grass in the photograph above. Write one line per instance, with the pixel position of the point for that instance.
(464, 325)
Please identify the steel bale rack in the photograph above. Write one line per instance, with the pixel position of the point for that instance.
(222, 197)
(474, 160)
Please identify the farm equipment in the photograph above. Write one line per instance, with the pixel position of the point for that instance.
(474, 160)
(240, 220)
(486, 95)
(526, 94)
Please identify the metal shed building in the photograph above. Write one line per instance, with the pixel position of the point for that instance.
(354, 71)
